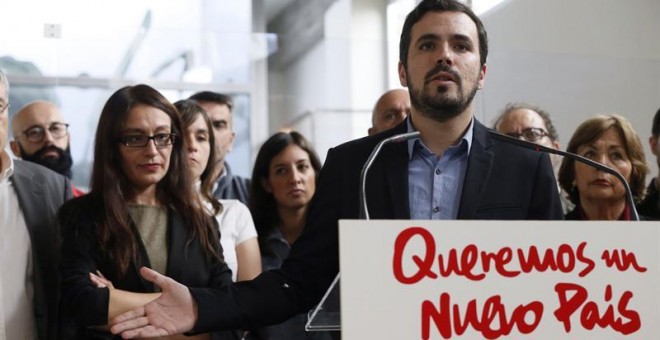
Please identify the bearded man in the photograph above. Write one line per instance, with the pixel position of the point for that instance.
(41, 136)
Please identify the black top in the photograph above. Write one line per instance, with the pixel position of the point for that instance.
(85, 305)
(650, 206)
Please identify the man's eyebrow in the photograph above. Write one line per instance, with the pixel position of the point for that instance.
(427, 37)
(434, 37)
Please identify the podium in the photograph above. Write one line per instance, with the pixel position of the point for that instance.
(435, 279)
(326, 315)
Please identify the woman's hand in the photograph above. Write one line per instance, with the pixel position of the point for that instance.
(100, 281)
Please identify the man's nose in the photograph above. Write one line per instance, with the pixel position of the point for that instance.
(445, 54)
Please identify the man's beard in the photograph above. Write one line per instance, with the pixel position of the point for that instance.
(438, 107)
(60, 164)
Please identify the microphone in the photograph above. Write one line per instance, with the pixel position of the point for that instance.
(364, 212)
(599, 166)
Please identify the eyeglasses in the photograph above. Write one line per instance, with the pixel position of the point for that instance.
(36, 133)
(3, 108)
(138, 141)
(529, 134)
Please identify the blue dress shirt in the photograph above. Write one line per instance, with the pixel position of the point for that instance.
(435, 184)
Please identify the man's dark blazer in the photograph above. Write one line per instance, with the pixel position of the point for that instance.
(85, 305)
(40, 193)
(503, 182)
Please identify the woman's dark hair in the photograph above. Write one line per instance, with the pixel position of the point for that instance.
(110, 187)
(262, 204)
(440, 6)
(591, 130)
(190, 111)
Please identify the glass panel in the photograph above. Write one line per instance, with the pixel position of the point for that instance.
(76, 53)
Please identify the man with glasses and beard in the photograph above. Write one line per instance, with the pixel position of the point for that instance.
(41, 136)
(533, 124)
(455, 170)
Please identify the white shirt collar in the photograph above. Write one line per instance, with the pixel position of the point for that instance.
(6, 173)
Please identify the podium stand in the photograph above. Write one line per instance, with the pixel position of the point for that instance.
(326, 315)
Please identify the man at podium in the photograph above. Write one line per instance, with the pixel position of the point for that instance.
(454, 170)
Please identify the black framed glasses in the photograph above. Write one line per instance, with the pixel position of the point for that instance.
(138, 141)
(36, 134)
(529, 134)
(3, 108)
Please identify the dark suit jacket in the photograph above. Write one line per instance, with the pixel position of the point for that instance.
(233, 187)
(40, 193)
(81, 254)
(650, 206)
(503, 182)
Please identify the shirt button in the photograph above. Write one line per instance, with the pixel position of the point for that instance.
(436, 209)
(437, 171)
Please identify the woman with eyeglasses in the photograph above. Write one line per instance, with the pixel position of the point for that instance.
(612, 141)
(142, 210)
(238, 235)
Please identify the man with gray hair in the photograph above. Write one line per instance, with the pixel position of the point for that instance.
(219, 108)
(390, 110)
(531, 123)
(29, 285)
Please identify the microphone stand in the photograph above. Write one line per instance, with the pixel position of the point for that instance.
(599, 166)
(364, 211)
(331, 293)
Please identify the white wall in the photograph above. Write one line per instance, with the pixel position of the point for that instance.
(335, 84)
(575, 58)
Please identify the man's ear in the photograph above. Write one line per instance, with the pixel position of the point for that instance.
(15, 148)
(231, 142)
(556, 145)
(482, 77)
(402, 75)
(653, 143)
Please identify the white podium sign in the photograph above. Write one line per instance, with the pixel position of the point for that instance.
(499, 279)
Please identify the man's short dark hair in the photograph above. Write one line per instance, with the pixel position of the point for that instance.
(440, 6)
(552, 131)
(655, 130)
(213, 97)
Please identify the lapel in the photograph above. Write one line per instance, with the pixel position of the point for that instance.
(394, 160)
(478, 172)
(177, 237)
(30, 192)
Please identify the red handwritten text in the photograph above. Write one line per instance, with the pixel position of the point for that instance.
(492, 321)
(588, 310)
(474, 264)
(622, 260)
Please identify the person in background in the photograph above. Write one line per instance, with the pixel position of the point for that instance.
(283, 183)
(597, 195)
(219, 108)
(238, 235)
(142, 210)
(41, 136)
(650, 206)
(390, 110)
(29, 284)
(533, 124)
